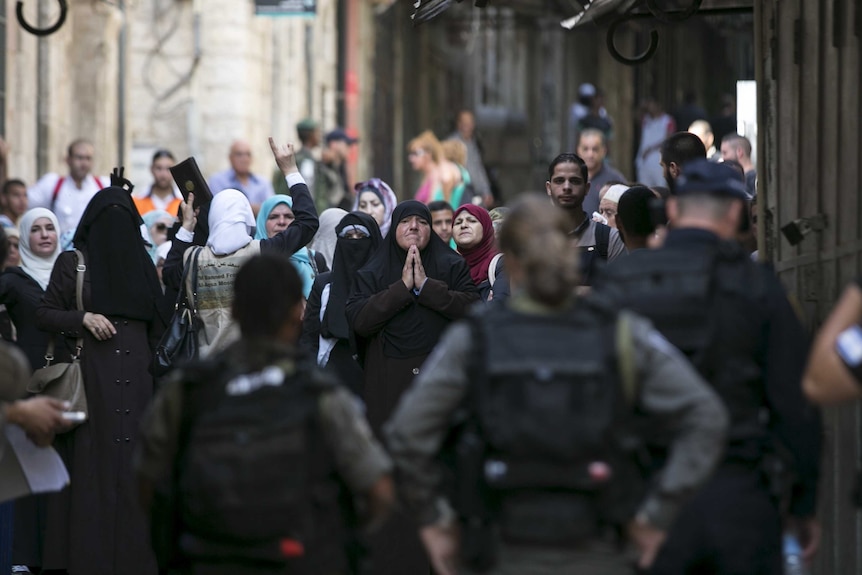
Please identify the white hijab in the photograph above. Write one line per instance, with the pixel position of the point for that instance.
(231, 222)
(37, 267)
(325, 239)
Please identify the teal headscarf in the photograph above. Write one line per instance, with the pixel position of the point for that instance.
(301, 259)
(150, 219)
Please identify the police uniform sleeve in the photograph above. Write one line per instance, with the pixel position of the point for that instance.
(160, 427)
(359, 457)
(681, 402)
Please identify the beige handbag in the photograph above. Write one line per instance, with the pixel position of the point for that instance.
(64, 381)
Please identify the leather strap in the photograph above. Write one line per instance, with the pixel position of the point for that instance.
(80, 270)
(192, 301)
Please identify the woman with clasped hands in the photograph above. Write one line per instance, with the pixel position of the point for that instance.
(402, 301)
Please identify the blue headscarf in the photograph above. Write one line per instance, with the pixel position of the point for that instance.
(150, 219)
(301, 259)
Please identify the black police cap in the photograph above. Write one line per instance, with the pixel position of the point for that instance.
(703, 176)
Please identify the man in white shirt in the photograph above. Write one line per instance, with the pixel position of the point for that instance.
(67, 196)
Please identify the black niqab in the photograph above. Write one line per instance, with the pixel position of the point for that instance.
(349, 257)
(123, 280)
(415, 330)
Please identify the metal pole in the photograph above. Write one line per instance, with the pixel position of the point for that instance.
(121, 87)
(43, 94)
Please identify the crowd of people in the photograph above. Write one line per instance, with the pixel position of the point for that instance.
(579, 382)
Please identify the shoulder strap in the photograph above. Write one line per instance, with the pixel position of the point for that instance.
(80, 269)
(626, 358)
(194, 271)
(603, 237)
(182, 295)
(492, 269)
(56, 192)
(98, 182)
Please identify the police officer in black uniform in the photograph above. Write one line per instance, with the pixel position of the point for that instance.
(732, 318)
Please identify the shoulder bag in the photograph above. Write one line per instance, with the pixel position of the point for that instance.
(64, 380)
(179, 343)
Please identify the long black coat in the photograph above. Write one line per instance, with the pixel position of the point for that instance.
(22, 296)
(96, 525)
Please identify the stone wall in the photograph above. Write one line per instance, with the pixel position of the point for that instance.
(199, 74)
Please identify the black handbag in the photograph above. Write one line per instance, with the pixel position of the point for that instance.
(179, 344)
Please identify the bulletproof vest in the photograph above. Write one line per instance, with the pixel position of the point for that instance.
(551, 410)
(256, 480)
(710, 304)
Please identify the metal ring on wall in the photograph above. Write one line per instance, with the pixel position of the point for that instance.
(19, 13)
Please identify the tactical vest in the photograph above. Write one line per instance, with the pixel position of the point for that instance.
(256, 481)
(553, 415)
(709, 304)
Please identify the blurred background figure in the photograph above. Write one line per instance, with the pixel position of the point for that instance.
(703, 130)
(375, 198)
(592, 148)
(442, 216)
(656, 126)
(240, 177)
(689, 111)
(465, 132)
(609, 203)
(163, 193)
(13, 202)
(68, 196)
(425, 155)
(335, 156)
(13, 256)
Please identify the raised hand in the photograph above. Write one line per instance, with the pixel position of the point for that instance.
(285, 157)
(190, 219)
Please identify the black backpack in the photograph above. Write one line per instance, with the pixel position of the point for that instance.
(255, 481)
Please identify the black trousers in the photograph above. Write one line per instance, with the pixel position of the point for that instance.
(732, 526)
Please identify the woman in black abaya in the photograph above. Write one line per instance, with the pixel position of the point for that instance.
(325, 332)
(402, 300)
(96, 526)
